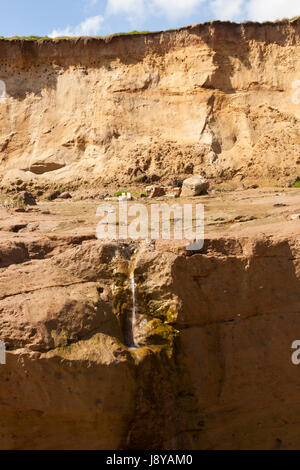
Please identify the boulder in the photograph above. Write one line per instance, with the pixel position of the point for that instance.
(53, 195)
(28, 198)
(153, 178)
(177, 182)
(65, 195)
(194, 186)
(148, 190)
(157, 191)
(175, 192)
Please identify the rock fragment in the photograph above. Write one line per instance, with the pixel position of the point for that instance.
(195, 186)
(28, 198)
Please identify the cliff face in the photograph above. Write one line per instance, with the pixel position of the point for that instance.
(213, 368)
(219, 99)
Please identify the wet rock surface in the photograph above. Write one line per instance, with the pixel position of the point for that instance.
(211, 363)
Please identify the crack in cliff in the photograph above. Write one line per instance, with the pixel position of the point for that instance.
(182, 326)
(46, 287)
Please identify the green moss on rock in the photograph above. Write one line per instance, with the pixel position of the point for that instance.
(160, 331)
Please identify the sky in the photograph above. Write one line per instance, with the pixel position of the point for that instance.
(102, 17)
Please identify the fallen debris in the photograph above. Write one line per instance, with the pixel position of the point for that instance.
(27, 198)
(65, 195)
(175, 192)
(157, 191)
(53, 195)
(195, 186)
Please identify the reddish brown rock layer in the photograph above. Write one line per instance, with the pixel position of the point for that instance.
(213, 369)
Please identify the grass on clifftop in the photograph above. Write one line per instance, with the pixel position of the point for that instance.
(38, 38)
(32, 38)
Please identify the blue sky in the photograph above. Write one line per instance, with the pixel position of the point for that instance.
(102, 17)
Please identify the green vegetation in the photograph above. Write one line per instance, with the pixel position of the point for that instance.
(289, 19)
(16, 202)
(5, 201)
(133, 32)
(38, 38)
(125, 191)
(119, 193)
(297, 184)
(165, 332)
(141, 179)
(32, 38)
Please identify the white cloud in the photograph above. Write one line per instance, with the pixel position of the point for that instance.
(132, 8)
(263, 10)
(227, 9)
(175, 9)
(142, 9)
(90, 27)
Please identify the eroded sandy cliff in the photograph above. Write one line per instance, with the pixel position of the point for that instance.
(220, 99)
(212, 365)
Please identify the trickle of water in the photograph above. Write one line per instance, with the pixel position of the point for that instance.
(133, 345)
(133, 314)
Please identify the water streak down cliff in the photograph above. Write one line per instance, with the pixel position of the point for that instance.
(213, 364)
(221, 99)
